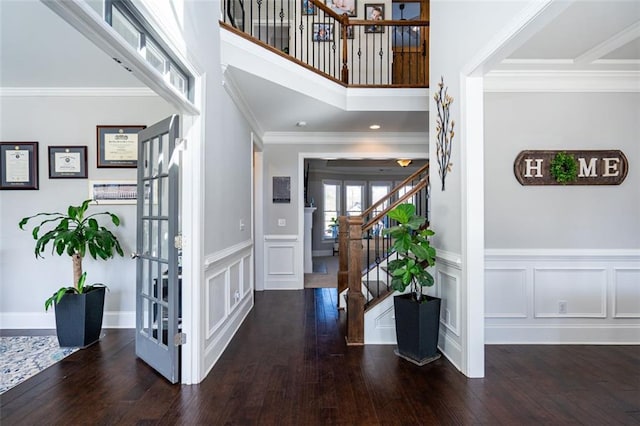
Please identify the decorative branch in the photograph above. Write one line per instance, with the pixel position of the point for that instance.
(444, 130)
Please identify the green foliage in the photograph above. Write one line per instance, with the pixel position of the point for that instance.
(415, 254)
(74, 234)
(564, 168)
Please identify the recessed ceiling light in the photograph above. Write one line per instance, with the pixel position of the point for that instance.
(301, 123)
(374, 126)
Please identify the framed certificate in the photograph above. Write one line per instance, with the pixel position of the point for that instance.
(118, 146)
(68, 162)
(18, 165)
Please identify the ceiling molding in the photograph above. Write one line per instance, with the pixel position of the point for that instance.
(330, 138)
(616, 41)
(231, 87)
(77, 91)
(562, 81)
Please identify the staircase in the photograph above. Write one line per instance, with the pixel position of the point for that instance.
(363, 283)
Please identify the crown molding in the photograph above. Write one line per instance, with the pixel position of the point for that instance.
(562, 81)
(77, 91)
(337, 138)
(232, 89)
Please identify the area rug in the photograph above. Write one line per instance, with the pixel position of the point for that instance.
(24, 356)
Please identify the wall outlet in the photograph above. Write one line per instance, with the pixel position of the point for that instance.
(236, 295)
(282, 222)
(562, 307)
(241, 225)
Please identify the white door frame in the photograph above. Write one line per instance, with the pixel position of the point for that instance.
(84, 19)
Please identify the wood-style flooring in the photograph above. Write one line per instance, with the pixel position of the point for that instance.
(289, 365)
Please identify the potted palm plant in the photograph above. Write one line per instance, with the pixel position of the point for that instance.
(417, 314)
(79, 308)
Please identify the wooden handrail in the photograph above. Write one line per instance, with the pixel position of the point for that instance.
(418, 187)
(396, 189)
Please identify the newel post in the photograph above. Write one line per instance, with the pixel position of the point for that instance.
(343, 254)
(355, 298)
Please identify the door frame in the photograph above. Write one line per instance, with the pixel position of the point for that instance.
(82, 18)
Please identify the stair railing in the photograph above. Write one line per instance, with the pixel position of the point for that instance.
(350, 51)
(362, 273)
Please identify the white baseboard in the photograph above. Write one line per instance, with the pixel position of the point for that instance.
(562, 335)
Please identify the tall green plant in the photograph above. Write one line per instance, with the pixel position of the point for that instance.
(415, 254)
(74, 234)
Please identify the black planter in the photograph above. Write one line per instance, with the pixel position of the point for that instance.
(79, 318)
(417, 328)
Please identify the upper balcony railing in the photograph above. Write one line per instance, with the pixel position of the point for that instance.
(371, 52)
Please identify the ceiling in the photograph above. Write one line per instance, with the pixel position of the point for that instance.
(586, 36)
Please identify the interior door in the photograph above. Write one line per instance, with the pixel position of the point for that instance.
(158, 286)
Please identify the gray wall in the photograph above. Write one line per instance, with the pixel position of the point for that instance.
(27, 282)
(594, 217)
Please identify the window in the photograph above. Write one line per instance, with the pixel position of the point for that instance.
(330, 206)
(354, 198)
(378, 191)
(404, 190)
(127, 21)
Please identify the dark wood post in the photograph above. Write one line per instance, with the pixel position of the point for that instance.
(355, 298)
(343, 255)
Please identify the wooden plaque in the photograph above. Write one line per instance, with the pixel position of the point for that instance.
(606, 167)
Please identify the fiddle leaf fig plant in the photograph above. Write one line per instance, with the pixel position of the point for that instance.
(74, 233)
(415, 254)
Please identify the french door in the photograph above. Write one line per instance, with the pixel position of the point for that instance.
(157, 250)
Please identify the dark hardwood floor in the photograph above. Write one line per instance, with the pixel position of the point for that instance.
(289, 365)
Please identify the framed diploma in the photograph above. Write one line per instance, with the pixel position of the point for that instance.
(19, 165)
(118, 146)
(68, 162)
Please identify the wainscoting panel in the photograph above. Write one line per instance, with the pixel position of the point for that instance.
(247, 268)
(627, 292)
(228, 298)
(215, 296)
(282, 267)
(511, 284)
(235, 284)
(449, 290)
(571, 296)
(448, 275)
(380, 324)
(570, 292)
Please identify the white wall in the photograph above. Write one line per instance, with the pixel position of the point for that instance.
(460, 32)
(547, 245)
(65, 120)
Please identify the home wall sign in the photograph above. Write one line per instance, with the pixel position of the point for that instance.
(566, 167)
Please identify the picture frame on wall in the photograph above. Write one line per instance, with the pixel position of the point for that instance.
(68, 162)
(308, 8)
(19, 165)
(282, 189)
(343, 7)
(322, 32)
(374, 12)
(118, 145)
(113, 191)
